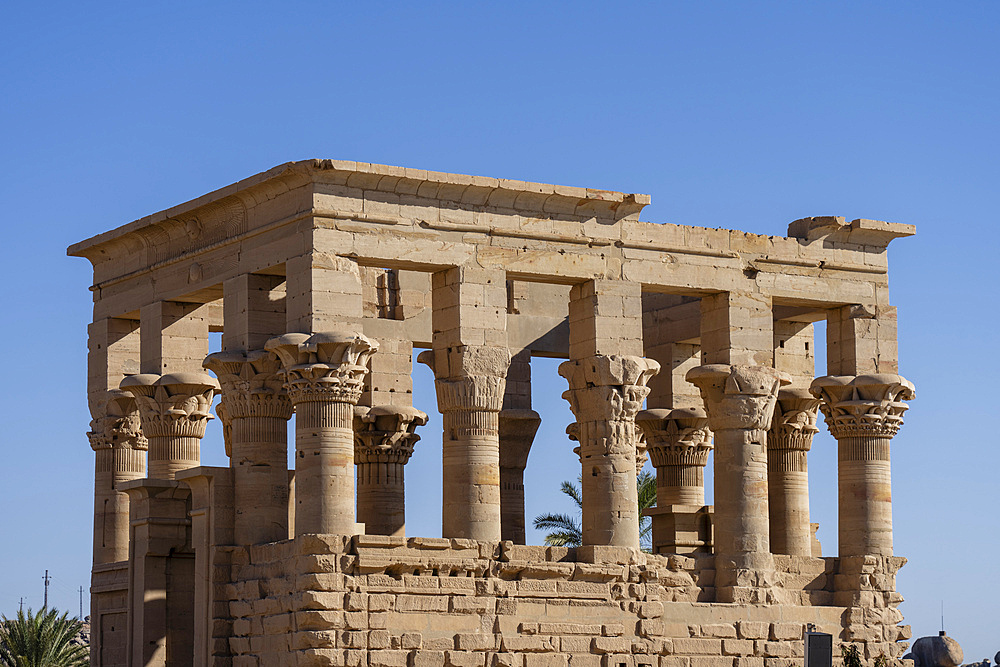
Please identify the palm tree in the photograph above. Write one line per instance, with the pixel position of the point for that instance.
(566, 531)
(43, 639)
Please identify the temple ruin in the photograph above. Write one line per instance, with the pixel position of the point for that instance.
(324, 277)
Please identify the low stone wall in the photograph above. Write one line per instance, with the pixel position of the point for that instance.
(390, 602)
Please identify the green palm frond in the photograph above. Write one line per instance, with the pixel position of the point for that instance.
(42, 639)
(566, 531)
(573, 491)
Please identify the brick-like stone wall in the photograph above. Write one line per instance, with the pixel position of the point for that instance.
(429, 602)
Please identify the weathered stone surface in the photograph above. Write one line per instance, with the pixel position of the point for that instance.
(350, 258)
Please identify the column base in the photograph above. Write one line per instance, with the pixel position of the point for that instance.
(681, 529)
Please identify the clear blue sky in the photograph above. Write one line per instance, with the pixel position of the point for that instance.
(740, 115)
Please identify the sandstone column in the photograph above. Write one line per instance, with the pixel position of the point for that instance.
(517, 432)
(120, 450)
(740, 402)
(383, 442)
(788, 441)
(174, 410)
(470, 361)
(606, 392)
(678, 443)
(863, 413)
(324, 375)
(256, 410)
(470, 384)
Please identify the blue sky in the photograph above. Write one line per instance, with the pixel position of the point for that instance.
(736, 115)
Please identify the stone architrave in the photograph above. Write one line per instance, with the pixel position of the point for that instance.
(255, 410)
(517, 432)
(324, 375)
(740, 403)
(788, 441)
(174, 410)
(120, 452)
(383, 442)
(863, 413)
(605, 393)
(678, 443)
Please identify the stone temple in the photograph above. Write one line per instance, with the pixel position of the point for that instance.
(324, 277)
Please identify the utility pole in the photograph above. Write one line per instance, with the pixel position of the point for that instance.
(46, 579)
(81, 604)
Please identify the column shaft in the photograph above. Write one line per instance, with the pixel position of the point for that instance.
(383, 442)
(324, 376)
(256, 409)
(864, 413)
(788, 442)
(324, 468)
(382, 498)
(471, 467)
(740, 404)
(865, 490)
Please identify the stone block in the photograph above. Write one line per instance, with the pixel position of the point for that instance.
(719, 630)
(737, 647)
(752, 630)
(697, 646)
(388, 658)
(427, 658)
(546, 660)
(611, 645)
(781, 631)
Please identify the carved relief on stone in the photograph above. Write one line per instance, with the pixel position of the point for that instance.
(863, 405)
(119, 426)
(606, 392)
(794, 422)
(607, 387)
(738, 397)
(385, 433)
(251, 385)
(325, 367)
(176, 404)
(517, 432)
(676, 437)
(468, 377)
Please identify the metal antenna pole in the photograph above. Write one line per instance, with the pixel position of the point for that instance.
(21, 607)
(81, 603)
(46, 579)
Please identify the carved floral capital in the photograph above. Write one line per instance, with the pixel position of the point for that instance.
(676, 437)
(176, 404)
(794, 422)
(323, 367)
(468, 377)
(738, 397)
(385, 433)
(251, 383)
(863, 405)
(118, 427)
(606, 388)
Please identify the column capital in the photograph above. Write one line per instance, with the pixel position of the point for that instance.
(794, 422)
(863, 405)
(606, 388)
(385, 433)
(737, 396)
(118, 425)
(175, 404)
(676, 437)
(468, 377)
(251, 385)
(517, 432)
(323, 367)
